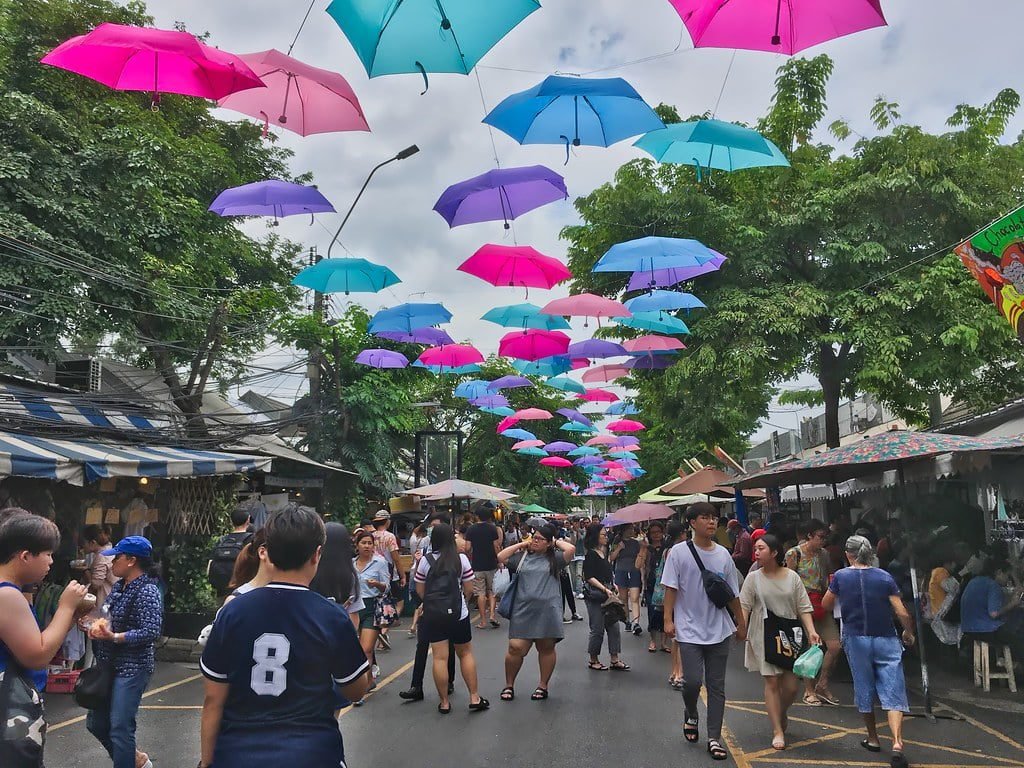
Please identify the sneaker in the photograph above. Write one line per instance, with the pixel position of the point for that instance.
(637, 630)
(413, 694)
(567, 620)
(577, 617)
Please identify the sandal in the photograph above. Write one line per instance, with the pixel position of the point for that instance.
(811, 700)
(508, 693)
(444, 710)
(690, 729)
(495, 623)
(620, 666)
(716, 750)
(651, 648)
(779, 743)
(480, 706)
(540, 694)
(871, 747)
(666, 650)
(827, 696)
(597, 666)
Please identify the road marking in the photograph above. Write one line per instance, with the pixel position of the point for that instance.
(987, 729)
(169, 706)
(738, 755)
(386, 681)
(146, 695)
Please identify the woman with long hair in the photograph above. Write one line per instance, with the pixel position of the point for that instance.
(776, 589)
(598, 587)
(247, 575)
(675, 532)
(647, 563)
(336, 577)
(625, 555)
(536, 618)
(444, 581)
(374, 579)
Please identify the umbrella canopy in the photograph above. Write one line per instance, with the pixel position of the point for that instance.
(528, 444)
(499, 411)
(345, 276)
(533, 344)
(653, 345)
(651, 362)
(649, 253)
(664, 301)
(518, 434)
(599, 396)
(584, 450)
(500, 195)
(299, 97)
(532, 414)
(525, 316)
(270, 198)
(406, 317)
(664, 278)
(638, 513)
(559, 446)
(625, 425)
(565, 384)
(462, 489)
(532, 452)
(382, 358)
(154, 60)
(425, 35)
(597, 112)
(576, 426)
(622, 408)
(444, 370)
(546, 366)
(874, 454)
(508, 422)
(588, 461)
(515, 265)
(509, 382)
(601, 440)
(555, 461)
(432, 336)
(626, 440)
(585, 305)
(653, 321)
(709, 144)
(605, 373)
(490, 401)
(537, 509)
(596, 348)
(452, 356)
(573, 415)
(471, 389)
(770, 25)
(621, 453)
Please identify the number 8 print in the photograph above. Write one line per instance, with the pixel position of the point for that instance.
(269, 676)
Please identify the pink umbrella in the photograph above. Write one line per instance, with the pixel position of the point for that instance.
(531, 414)
(578, 363)
(451, 355)
(528, 444)
(601, 440)
(586, 305)
(640, 513)
(515, 265)
(300, 97)
(624, 449)
(533, 344)
(610, 465)
(622, 475)
(653, 343)
(778, 26)
(599, 396)
(625, 425)
(506, 423)
(155, 60)
(555, 461)
(606, 373)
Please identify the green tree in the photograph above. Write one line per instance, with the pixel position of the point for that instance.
(838, 267)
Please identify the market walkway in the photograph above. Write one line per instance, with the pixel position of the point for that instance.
(592, 718)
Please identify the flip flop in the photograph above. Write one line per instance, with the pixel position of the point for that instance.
(812, 700)
(828, 697)
(871, 747)
(597, 666)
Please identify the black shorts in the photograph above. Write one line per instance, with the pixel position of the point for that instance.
(458, 632)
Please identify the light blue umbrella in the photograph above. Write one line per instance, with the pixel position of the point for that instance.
(584, 450)
(471, 388)
(346, 276)
(499, 411)
(648, 254)
(546, 366)
(525, 316)
(622, 408)
(518, 434)
(566, 384)
(575, 426)
(709, 144)
(653, 321)
(662, 301)
(407, 317)
(597, 112)
(532, 452)
(397, 36)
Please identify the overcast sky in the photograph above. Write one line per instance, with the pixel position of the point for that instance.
(930, 58)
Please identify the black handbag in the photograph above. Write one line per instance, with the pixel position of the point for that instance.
(21, 744)
(783, 638)
(717, 589)
(94, 686)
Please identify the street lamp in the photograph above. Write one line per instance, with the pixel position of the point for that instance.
(404, 154)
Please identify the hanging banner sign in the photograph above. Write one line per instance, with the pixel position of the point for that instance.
(995, 256)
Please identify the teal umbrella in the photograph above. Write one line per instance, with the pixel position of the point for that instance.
(346, 276)
(525, 316)
(575, 426)
(546, 366)
(501, 410)
(653, 321)
(447, 370)
(565, 384)
(584, 450)
(709, 144)
(532, 452)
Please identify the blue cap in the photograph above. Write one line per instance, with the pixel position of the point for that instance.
(134, 546)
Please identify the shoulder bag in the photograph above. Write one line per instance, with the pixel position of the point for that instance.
(783, 638)
(21, 744)
(95, 683)
(718, 590)
(508, 598)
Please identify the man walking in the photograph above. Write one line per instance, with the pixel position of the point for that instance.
(225, 551)
(702, 630)
(484, 545)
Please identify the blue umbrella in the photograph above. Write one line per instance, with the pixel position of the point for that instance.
(709, 144)
(525, 316)
(407, 317)
(597, 112)
(519, 434)
(653, 321)
(566, 384)
(398, 36)
(500, 411)
(346, 276)
(546, 366)
(622, 408)
(648, 254)
(471, 388)
(664, 301)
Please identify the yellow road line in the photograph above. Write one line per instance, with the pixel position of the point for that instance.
(731, 743)
(146, 695)
(832, 726)
(386, 681)
(764, 753)
(988, 729)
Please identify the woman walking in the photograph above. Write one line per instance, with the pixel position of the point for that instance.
(674, 533)
(774, 590)
(627, 576)
(444, 580)
(599, 587)
(374, 579)
(537, 607)
(869, 597)
(648, 563)
(126, 640)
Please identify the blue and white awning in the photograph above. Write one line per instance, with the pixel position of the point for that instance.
(18, 405)
(79, 462)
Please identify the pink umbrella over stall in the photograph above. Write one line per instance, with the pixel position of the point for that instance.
(586, 305)
(451, 355)
(515, 266)
(531, 414)
(555, 461)
(533, 344)
(625, 425)
(599, 396)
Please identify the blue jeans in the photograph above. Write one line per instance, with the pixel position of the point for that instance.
(114, 728)
(877, 667)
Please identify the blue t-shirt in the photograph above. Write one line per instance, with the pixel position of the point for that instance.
(982, 597)
(281, 649)
(863, 595)
(37, 676)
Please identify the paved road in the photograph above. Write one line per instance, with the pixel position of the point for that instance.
(592, 718)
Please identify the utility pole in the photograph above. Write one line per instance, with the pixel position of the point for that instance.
(313, 367)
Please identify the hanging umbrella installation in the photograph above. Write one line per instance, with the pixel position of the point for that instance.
(532, 414)
(452, 356)
(647, 254)
(555, 461)
(712, 144)
(565, 384)
(664, 301)
(653, 345)
(443, 370)
(435, 337)
(518, 434)
(605, 374)
(524, 316)
(573, 415)
(515, 266)
(532, 452)
(490, 401)
(528, 444)
(575, 426)
(622, 408)
(559, 446)
(502, 411)
(346, 276)
(501, 195)
(546, 366)
(406, 317)
(650, 363)
(626, 425)
(533, 344)
(599, 396)
(382, 358)
(471, 389)
(271, 198)
(596, 348)
(584, 450)
(653, 321)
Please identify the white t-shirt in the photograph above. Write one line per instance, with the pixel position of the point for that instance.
(696, 617)
(423, 568)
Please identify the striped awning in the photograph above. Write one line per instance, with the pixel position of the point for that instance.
(79, 462)
(20, 405)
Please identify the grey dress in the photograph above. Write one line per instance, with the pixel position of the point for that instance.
(537, 607)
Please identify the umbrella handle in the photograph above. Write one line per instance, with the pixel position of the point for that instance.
(266, 123)
(426, 82)
(567, 143)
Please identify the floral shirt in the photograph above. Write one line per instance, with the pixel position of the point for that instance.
(137, 610)
(813, 569)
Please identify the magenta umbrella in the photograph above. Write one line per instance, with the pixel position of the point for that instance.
(777, 26)
(515, 266)
(533, 344)
(625, 425)
(382, 358)
(599, 396)
(555, 461)
(300, 97)
(451, 355)
(154, 60)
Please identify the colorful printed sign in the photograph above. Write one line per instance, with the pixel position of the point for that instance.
(995, 256)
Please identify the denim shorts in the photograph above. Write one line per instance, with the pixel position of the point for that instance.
(628, 579)
(877, 667)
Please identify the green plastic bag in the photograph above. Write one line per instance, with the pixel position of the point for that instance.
(808, 663)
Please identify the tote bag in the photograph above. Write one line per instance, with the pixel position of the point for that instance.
(783, 638)
(21, 744)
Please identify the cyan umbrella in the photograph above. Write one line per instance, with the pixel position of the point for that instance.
(597, 112)
(565, 384)
(399, 36)
(445, 370)
(575, 426)
(499, 411)
(525, 316)
(647, 254)
(346, 276)
(532, 452)
(406, 317)
(662, 301)
(653, 321)
(519, 434)
(709, 144)
(584, 450)
(546, 366)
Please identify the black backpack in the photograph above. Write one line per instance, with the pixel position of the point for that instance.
(222, 561)
(442, 602)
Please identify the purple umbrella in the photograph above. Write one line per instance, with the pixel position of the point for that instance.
(560, 446)
(588, 461)
(625, 440)
(663, 278)
(509, 382)
(573, 415)
(433, 336)
(382, 358)
(651, 362)
(594, 348)
(501, 195)
(270, 198)
(490, 401)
